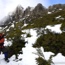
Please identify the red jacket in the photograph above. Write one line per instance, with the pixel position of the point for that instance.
(1, 39)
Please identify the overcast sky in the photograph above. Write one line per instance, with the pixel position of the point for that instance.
(7, 6)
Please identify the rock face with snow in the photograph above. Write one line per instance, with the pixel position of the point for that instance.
(56, 7)
(37, 11)
(20, 13)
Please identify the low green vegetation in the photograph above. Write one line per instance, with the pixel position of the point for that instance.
(14, 34)
(41, 61)
(48, 19)
(41, 58)
(52, 42)
(28, 35)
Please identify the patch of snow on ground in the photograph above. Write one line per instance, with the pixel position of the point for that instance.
(12, 25)
(55, 28)
(28, 56)
(7, 30)
(60, 9)
(58, 17)
(7, 43)
(25, 24)
(59, 59)
(49, 12)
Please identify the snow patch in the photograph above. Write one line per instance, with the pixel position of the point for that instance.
(55, 28)
(12, 25)
(49, 12)
(60, 9)
(58, 17)
(59, 58)
(7, 43)
(28, 50)
(7, 30)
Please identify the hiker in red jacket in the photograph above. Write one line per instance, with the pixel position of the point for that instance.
(2, 47)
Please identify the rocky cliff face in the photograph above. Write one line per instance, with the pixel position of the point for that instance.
(56, 7)
(29, 13)
(39, 10)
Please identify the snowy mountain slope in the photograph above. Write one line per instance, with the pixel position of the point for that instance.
(28, 58)
(53, 21)
(27, 51)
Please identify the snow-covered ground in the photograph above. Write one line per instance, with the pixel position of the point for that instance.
(55, 28)
(28, 58)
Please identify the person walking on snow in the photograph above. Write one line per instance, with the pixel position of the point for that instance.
(2, 47)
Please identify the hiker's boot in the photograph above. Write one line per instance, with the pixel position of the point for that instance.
(6, 59)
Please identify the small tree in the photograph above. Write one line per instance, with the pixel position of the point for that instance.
(16, 47)
(14, 34)
(41, 60)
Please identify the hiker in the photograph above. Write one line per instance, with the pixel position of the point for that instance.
(2, 47)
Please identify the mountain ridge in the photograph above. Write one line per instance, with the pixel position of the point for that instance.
(38, 11)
